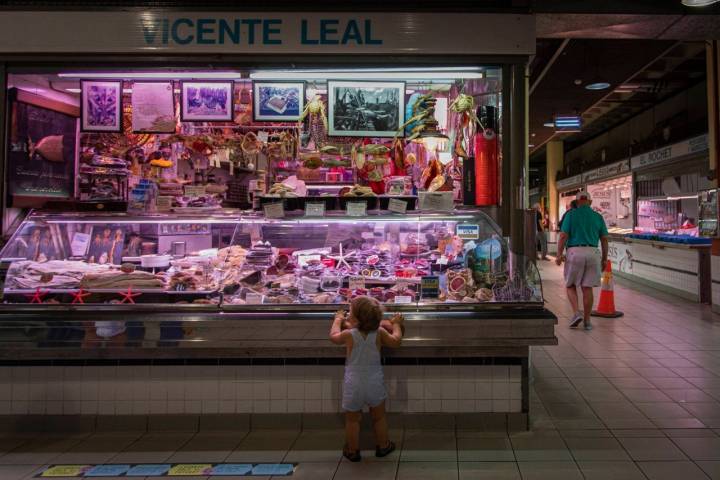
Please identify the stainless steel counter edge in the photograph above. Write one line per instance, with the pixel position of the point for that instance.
(657, 243)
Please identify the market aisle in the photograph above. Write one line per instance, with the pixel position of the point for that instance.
(636, 398)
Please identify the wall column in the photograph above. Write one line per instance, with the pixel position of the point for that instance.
(554, 157)
(712, 50)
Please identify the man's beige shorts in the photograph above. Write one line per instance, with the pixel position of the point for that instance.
(582, 267)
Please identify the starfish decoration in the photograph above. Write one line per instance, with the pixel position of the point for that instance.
(79, 296)
(129, 295)
(341, 258)
(37, 297)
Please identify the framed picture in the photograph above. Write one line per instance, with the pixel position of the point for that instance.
(153, 107)
(101, 105)
(206, 101)
(278, 101)
(365, 109)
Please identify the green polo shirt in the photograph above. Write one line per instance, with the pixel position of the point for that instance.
(584, 226)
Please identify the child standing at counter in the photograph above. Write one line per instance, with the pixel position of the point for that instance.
(364, 382)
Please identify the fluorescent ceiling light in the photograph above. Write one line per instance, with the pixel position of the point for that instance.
(597, 86)
(125, 90)
(549, 124)
(208, 75)
(371, 74)
(698, 3)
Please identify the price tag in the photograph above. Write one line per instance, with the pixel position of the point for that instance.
(65, 471)
(315, 209)
(397, 206)
(252, 298)
(163, 203)
(304, 260)
(263, 136)
(228, 469)
(430, 286)
(403, 299)
(356, 209)
(355, 283)
(443, 260)
(274, 210)
(437, 201)
(194, 190)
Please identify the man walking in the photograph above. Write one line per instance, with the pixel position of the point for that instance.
(581, 231)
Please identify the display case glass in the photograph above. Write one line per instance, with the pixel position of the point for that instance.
(232, 258)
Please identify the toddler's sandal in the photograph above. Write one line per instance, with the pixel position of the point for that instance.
(352, 456)
(384, 452)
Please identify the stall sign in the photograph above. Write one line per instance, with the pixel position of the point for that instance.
(468, 232)
(152, 31)
(671, 152)
(568, 182)
(611, 170)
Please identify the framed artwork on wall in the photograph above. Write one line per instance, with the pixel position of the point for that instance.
(365, 109)
(278, 101)
(206, 101)
(101, 105)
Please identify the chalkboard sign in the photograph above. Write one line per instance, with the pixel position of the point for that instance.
(41, 152)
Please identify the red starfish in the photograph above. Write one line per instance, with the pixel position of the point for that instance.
(79, 296)
(129, 295)
(37, 296)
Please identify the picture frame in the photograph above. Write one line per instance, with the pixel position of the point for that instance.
(101, 106)
(206, 101)
(365, 108)
(153, 107)
(278, 101)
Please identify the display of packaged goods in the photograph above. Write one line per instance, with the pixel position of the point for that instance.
(270, 261)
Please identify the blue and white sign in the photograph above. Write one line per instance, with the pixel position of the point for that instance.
(468, 232)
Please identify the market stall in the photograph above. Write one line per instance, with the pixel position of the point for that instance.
(192, 214)
(666, 249)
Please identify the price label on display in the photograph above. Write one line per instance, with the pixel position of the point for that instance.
(252, 298)
(430, 286)
(397, 206)
(194, 190)
(163, 203)
(437, 201)
(356, 209)
(314, 209)
(356, 283)
(263, 136)
(274, 210)
(403, 299)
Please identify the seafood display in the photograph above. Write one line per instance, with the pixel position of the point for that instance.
(301, 261)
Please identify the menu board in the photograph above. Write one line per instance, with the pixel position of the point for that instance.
(41, 152)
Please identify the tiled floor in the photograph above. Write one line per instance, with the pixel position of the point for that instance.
(636, 398)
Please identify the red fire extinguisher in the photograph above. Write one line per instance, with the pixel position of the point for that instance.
(486, 158)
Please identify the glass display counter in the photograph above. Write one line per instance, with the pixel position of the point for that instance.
(232, 260)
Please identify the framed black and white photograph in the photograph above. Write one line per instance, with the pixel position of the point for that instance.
(206, 101)
(278, 101)
(365, 109)
(101, 105)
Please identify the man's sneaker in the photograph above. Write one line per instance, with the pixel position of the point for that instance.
(576, 319)
(384, 452)
(588, 325)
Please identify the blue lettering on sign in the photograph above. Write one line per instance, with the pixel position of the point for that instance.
(222, 31)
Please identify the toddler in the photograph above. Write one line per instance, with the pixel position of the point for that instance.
(364, 382)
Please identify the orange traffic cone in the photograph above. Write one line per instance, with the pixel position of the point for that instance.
(606, 305)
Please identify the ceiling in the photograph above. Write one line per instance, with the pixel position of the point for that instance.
(641, 73)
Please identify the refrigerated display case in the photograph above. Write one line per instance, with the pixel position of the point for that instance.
(237, 259)
(708, 213)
